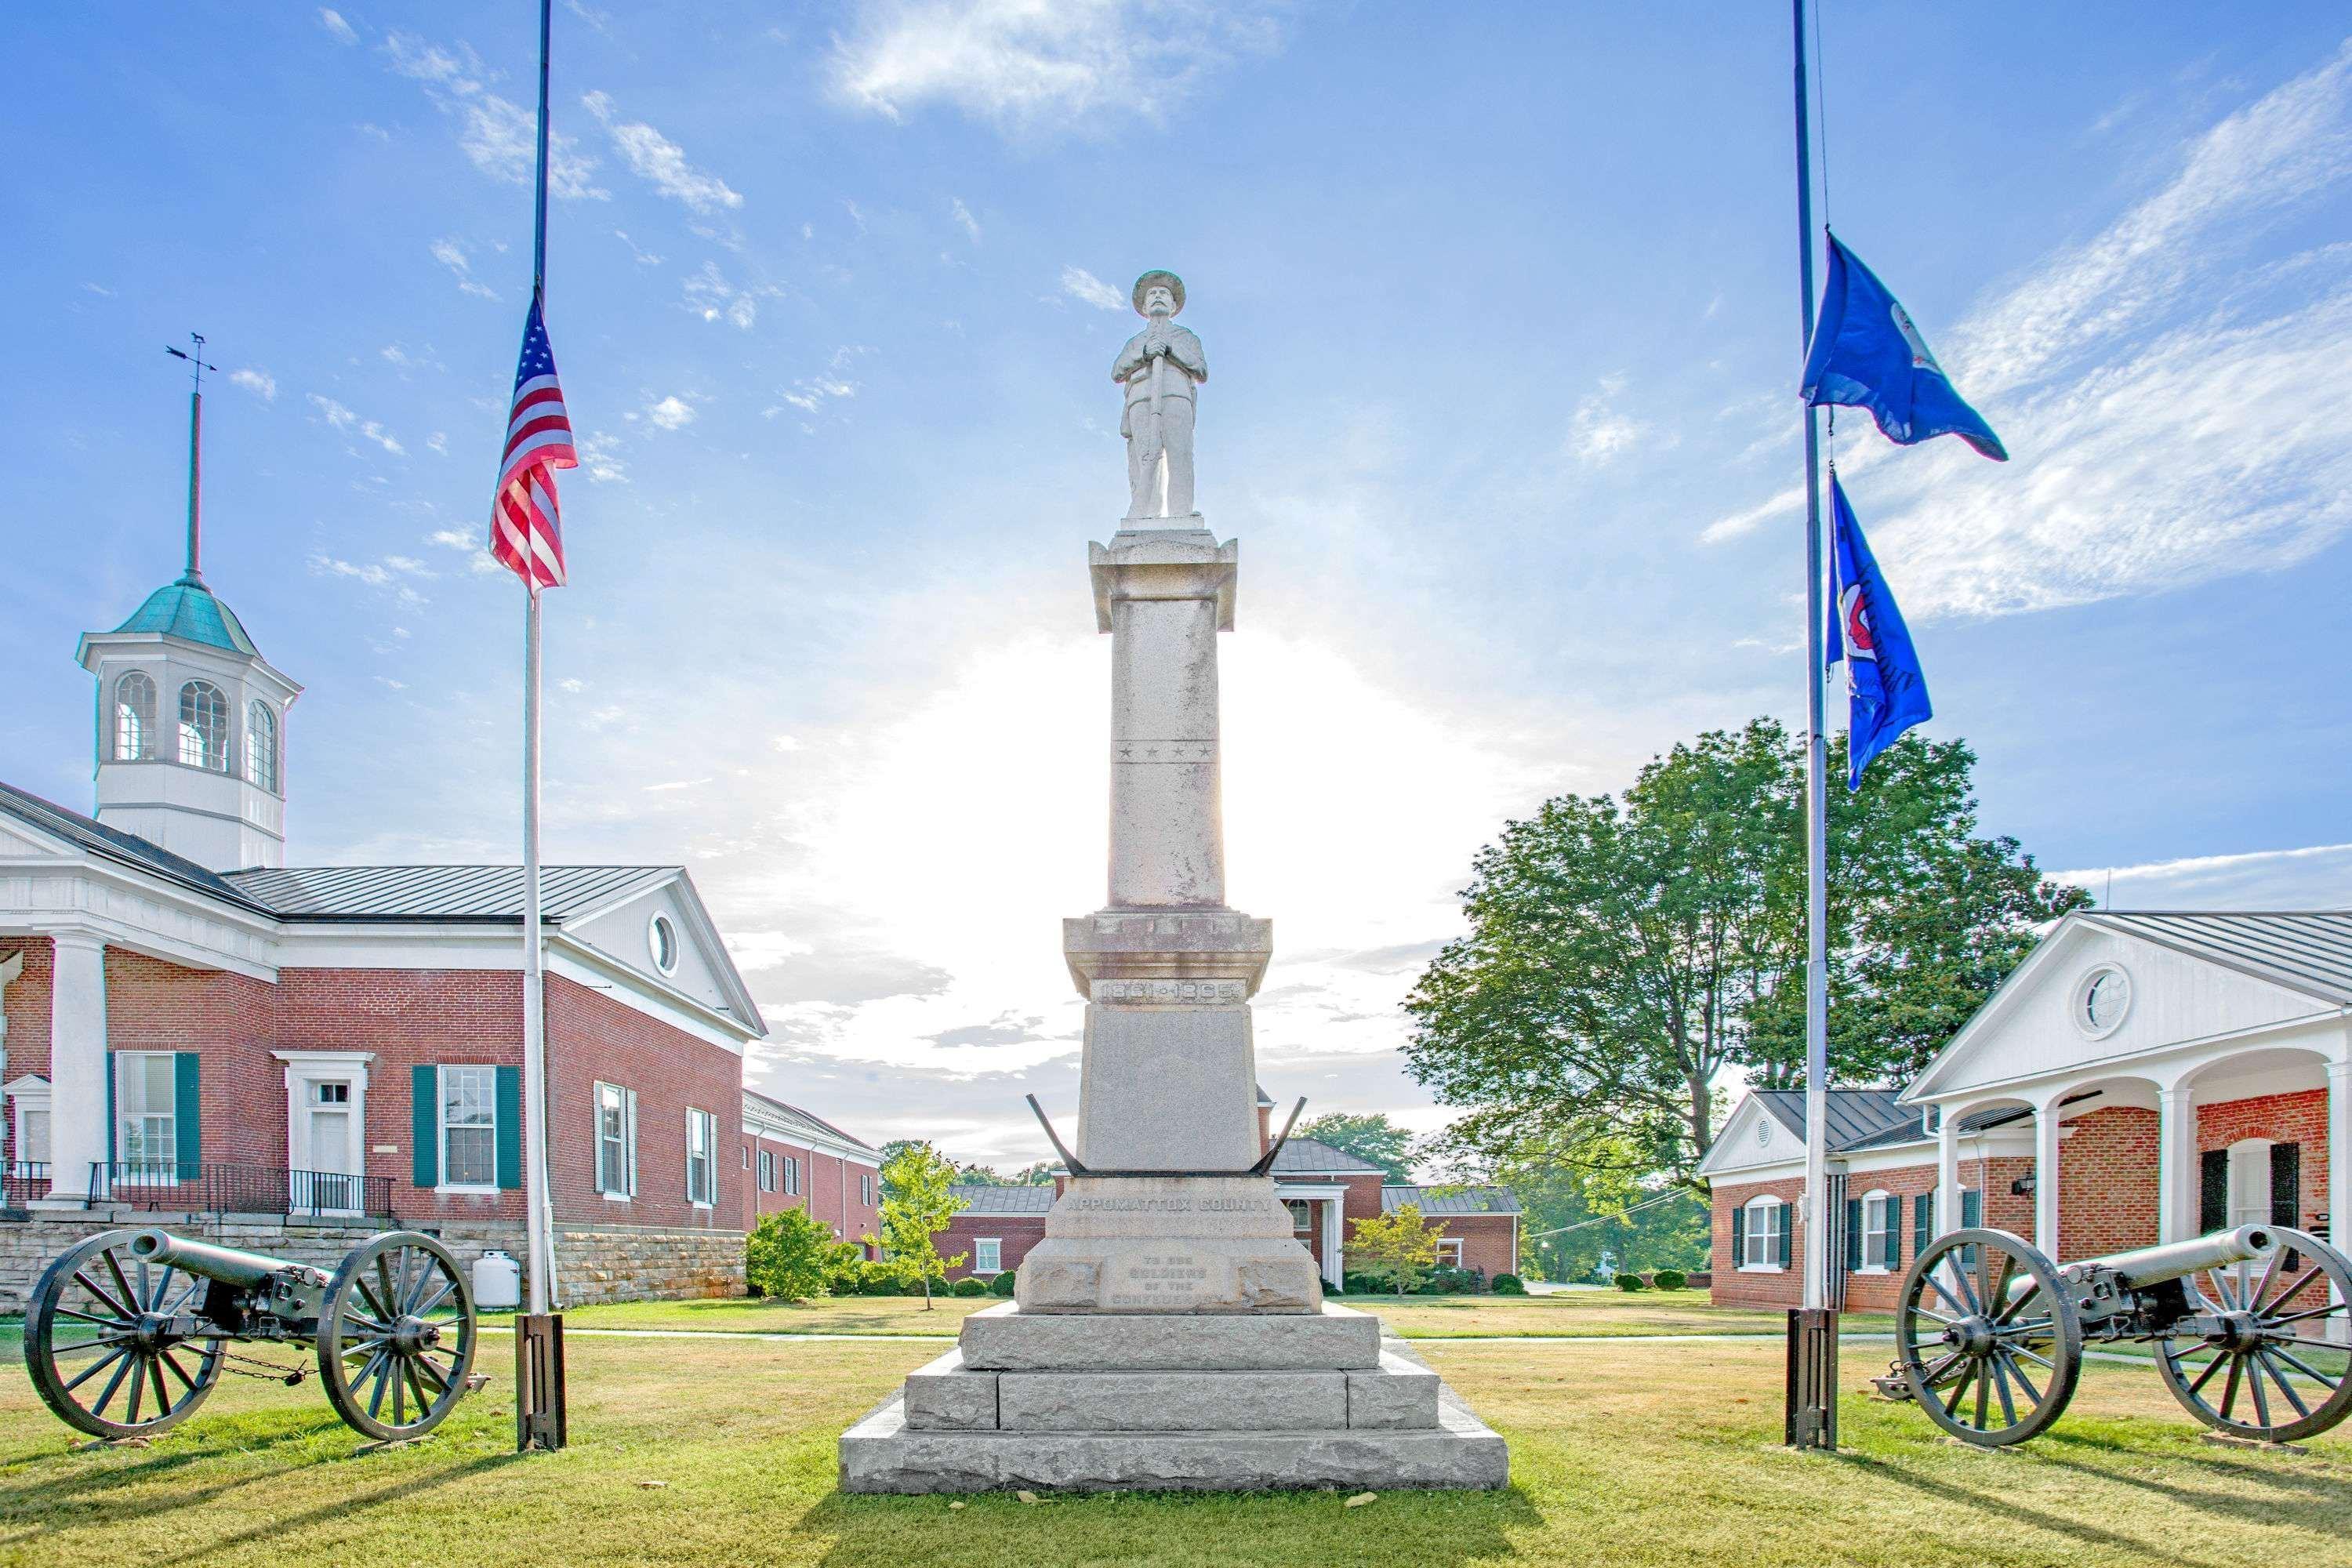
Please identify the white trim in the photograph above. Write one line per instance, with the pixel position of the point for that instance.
(1784, 1212)
(1889, 1216)
(441, 1071)
(2079, 1007)
(991, 1271)
(658, 925)
(306, 1068)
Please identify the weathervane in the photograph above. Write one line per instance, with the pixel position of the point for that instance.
(196, 449)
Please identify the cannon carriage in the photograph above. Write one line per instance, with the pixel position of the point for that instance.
(126, 1332)
(2249, 1329)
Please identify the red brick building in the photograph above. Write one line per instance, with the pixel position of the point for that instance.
(793, 1159)
(2141, 1077)
(194, 1028)
(1326, 1189)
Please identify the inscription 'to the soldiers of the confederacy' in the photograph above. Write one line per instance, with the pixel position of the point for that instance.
(1161, 368)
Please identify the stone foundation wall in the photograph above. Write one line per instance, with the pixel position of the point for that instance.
(614, 1263)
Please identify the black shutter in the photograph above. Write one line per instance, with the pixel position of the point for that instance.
(1788, 1233)
(1739, 1234)
(1971, 1208)
(1853, 1235)
(2212, 1191)
(2286, 1186)
(1893, 1233)
(1923, 1222)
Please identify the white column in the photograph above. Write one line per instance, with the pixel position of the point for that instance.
(2045, 1177)
(2339, 1152)
(1334, 1244)
(1947, 1169)
(77, 1064)
(2176, 1165)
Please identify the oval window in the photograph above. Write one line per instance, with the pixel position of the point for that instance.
(2105, 999)
(662, 938)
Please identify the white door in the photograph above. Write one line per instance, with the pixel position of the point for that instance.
(2250, 1182)
(333, 1181)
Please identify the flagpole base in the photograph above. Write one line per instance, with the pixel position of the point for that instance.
(1810, 1421)
(540, 1417)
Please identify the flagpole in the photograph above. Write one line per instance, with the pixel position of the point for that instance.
(1812, 1396)
(534, 978)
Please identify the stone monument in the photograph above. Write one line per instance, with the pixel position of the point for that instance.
(1171, 1331)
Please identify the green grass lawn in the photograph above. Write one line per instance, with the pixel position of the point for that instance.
(1580, 1313)
(699, 1451)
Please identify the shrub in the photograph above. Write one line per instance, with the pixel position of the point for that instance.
(1508, 1285)
(786, 1256)
(1352, 1283)
(1446, 1280)
(969, 1285)
(1669, 1279)
(1628, 1281)
(1002, 1285)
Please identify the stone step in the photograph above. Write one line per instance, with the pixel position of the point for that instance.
(1005, 1339)
(1401, 1396)
(883, 1454)
(945, 1395)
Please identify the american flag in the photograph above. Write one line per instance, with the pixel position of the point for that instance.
(526, 529)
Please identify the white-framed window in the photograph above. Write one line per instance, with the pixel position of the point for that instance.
(469, 1128)
(147, 1127)
(988, 1255)
(261, 744)
(866, 1189)
(1449, 1252)
(701, 1167)
(1763, 1222)
(767, 1170)
(616, 1140)
(203, 727)
(2101, 1000)
(661, 943)
(1302, 1214)
(1879, 1236)
(135, 718)
(792, 1175)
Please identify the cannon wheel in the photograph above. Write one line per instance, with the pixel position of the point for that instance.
(1988, 1339)
(95, 1347)
(396, 1335)
(2280, 1354)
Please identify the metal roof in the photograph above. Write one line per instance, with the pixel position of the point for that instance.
(187, 610)
(126, 848)
(811, 1121)
(1449, 1200)
(432, 892)
(984, 1200)
(1308, 1156)
(2308, 951)
(1858, 1117)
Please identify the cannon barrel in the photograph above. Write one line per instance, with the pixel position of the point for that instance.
(225, 1264)
(2177, 1259)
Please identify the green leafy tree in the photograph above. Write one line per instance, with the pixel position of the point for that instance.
(1372, 1137)
(787, 1254)
(1622, 954)
(1397, 1248)
(916, 1202)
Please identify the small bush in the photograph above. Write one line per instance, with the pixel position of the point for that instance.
(1449, 1281)
(1670, 1278)
(1002, 1285)
(788, 1255)
(1630, 1280)
(969, 1285)
(1354, 1284)
(1508, 1285)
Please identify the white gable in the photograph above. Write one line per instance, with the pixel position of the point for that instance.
(2036, 1023)
(701, 971)
(1754, 1137)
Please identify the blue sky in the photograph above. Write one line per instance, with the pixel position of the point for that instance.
(1500, 308)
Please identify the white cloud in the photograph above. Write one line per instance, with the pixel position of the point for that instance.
(2318, 876)
(259, 383)
(643, 258)
(386, 574)
(437, 442)
(712, 297)
(1026, 65)
(1597, 434)
(452, 255)
(660, 161)
(1084, 286)
(341, 418)
(962, 215)
(501, 137)
(672, 413)
(337, 28)
(599, 461)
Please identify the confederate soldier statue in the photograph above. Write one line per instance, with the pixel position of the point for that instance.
(1161, 367)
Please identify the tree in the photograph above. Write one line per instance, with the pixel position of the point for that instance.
(1620, 956)
(1372, 1137)
(916, 1206)
(1398, 1247)
(787, 1254)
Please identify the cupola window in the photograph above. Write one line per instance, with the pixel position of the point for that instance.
(261, 745)
(203, 727)
(135, 718)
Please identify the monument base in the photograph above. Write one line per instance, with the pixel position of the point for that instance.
(1177, 1402)
(1171, 1243)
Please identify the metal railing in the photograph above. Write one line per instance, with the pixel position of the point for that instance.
(23, 1182)
(213, 1188)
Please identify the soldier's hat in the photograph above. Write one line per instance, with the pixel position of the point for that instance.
(1143, 286)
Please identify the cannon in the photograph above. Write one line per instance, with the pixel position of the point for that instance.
(2249, 1330)
(126, 1332)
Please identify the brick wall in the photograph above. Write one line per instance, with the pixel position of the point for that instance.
(231, 1022)
(1772, 1288)
(2297, 1118)
(592, 1037)
(1018, 1233)
(2107, 1183)
(26, 1006)
(1486, 1242)
(1865, 1292)
(1879, 1291)
(830, 1187)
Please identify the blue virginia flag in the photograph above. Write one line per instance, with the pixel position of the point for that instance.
(1887, 693)
(1867, 355)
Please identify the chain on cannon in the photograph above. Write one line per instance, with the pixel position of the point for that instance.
(127, 1332)
(2250, 1328)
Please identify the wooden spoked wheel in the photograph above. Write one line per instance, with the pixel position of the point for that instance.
(100, 1343)
(396, 1336)
(2278, 1367)
(1989, 1339)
